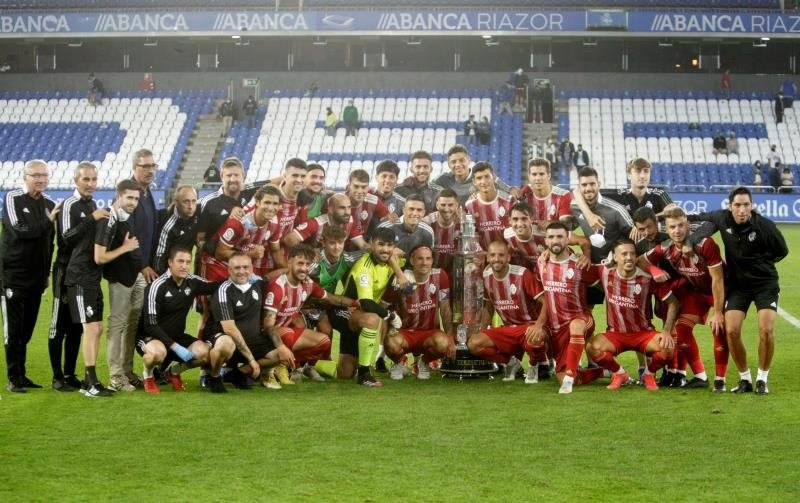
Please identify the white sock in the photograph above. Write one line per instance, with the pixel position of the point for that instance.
(381, 353)
(568, 380)
(745, 376)
(682, 372)
(620, 371)
(146, 372)
(702, 375)
(762, 375)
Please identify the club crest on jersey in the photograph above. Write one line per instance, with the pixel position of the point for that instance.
(752, 236)
(254, 294)
(228, 234)
(513, 289)
(649, 204)
(9, 293)
(303, 296)
(270, 298)
(431, 288)
(551, 211)
(391, 207)
(364, 215)
(637, 289)
(570, 273)
(89, 311)
(187, 291)
(363, 280)
(501, 212)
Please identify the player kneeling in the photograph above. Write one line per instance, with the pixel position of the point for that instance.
(161, 336)
(628, 289)
(421, 335)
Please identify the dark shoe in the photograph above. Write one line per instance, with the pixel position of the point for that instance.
(236, 378)
(158, 374)
(97, 390)
(215, 385)
(743, 387)
(678, 381)
(61, 385)
(73, 381)
(719, 386)
(366, 379)
(544, 371)
(761, 388)
(135, 380)
(15, 387)
(666, 379)
(696, 382)
(27, 383)
(204, 380)
(380, 366)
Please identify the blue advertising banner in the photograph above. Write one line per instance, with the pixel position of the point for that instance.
(395, 21)
(104, 198)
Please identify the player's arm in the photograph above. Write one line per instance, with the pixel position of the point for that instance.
(536, 333)
(269, 319)
(582, 242)
(103, 236)
(153, 298)
(291, 239)
(595, 221)
(230, 328)
(359, 242)
(285, 354)
(717, 322)
(21, 220)
(340, 300)
(774, 240)
(278, 257)
(487, 312)
(73, 233)
(673, 306)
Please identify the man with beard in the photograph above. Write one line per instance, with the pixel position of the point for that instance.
(412, 231)
(445, 225)
(313, 198)
(420, 181)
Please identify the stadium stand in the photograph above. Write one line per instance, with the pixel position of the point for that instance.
(675, 131)
(393, 124)
(63, 129)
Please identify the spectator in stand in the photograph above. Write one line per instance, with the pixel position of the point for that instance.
(779, 107)
(471, 130)
(250, 108)
(148, 85)
(580, 158)
(720, 144)
(757, 173)
(96, 91)
(330, 122)
(350, 119)
(772, 156)
(567, 151)
(520, 80)
(732, 144)
(787, 179)
(726, 82)
(211, 176)
(551, 154)
(536, 103)
(789, 90)
(774, 176)
(226, 113)
(484, 131)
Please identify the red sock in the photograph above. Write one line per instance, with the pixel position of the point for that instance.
(536, 354)
(721, 353)
(688, 348)
(657, 360)
(586, 376)
(607, 361)
(314, 353)
(574, 352)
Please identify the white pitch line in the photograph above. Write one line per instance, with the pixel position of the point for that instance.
(788, 317)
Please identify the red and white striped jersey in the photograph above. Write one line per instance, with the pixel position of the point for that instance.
(551, 207)
(311, 231)
(491, 218)
(524, 253)
(286, 216)
(418, 310)
(444, 244)
(694, 268)
(244, 235)
(371, 207)
(627, 299)
(285, 300)
(514, 296)
(564, 287)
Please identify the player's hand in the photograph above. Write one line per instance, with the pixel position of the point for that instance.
(54, 212)
(397, 253)
(149, 274)
(687, 251)
(100, 213)
(666, 341)
(450, 352)
(717, 324)
(392, 217)
(286, 356)
(255, 369)
(596, 222)
(237, 213)
(183, 353)
(535, 335)
(394, 320)
(659, 275)
(635, 235)
(257, 252)
(514, 192)
(543, 258)
(583, 262)
(130, 243)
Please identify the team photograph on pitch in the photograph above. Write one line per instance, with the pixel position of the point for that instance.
(462, 275)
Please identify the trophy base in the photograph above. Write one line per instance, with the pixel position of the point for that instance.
(466, 366)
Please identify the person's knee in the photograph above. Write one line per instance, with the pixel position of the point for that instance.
(441, 343)
(201, 353)
(224, 346)
(393, 347)
(475, 343)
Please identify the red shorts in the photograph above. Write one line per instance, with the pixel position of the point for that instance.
(697, 304)
(415, 339)
(213, 271)
(510, 340)
(633, 341)
(289, 335)
(559, 341)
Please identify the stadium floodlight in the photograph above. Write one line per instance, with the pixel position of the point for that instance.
(236, 37)
(320, 41)
(150, 42)
(665, 42)
(486, 37)
(590, 41)
(75, 43)
(765, 39)
(413, 41)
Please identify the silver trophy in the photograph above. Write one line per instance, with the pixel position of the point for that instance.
(467, 302)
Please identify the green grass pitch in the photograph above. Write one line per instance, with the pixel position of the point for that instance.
(440, 440)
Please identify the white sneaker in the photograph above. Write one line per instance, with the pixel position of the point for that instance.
(566, 386)
(397, 372)
(423, 369)
(512, 367)
(120, 383)
(310, 372)
(296, 375)
(532, 377)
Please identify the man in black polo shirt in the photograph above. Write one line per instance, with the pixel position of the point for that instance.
(162, 333)
(176, 227)
(113, 247)
(26, 250)
(412, 231)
